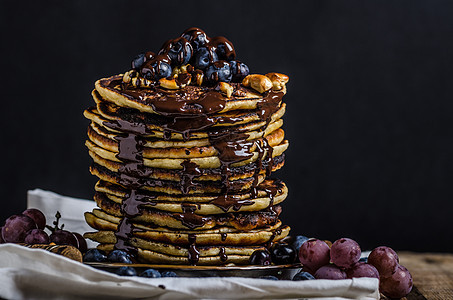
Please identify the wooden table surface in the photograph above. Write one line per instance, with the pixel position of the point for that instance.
(432, 274)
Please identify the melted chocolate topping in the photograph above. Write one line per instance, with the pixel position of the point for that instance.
(194, 254)
(189, 218)
(222, 253)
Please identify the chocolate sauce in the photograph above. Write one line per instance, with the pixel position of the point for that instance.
(222, 253)
(189, 172)
(130, 151)
(189, 218)
(223, 236)
(225, 202)
(194, 254)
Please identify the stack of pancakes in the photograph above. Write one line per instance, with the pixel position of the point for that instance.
(184, 174)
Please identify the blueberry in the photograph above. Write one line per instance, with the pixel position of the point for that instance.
(204, 57)
(260, 257)
(283, 254)
(298, 241)
(126, 271)
(224, 48)
(268, 277)
(119, 256)
(218, 71)
(138, 61)
(169, 274)
(303, 276)
(196, 37)
(150, 273)
(180, 51)
(95, 255)
(156, 69)
(239, 70)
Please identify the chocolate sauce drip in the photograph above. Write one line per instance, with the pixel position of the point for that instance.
(271, 191)
(189, 172)
(189, 218)
(225, 202)
(122, 234)
(183, 79)
(126, 126)
(223, 236)
(259, 166)
(269, 159)
(130, 151)
(222, 253)
(274, 234)
(194, 254)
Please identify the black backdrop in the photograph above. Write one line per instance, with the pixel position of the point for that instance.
(369, 104)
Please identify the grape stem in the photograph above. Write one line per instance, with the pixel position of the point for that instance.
(53, 229)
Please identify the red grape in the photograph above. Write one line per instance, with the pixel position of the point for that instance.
(398, 285)
(345, 252)
(362, 270)
(385, 260)
(36, 236)
(37, 216)
(330, 272)
(16, 228)
(63, 237)
(314, 254)
(81, 242)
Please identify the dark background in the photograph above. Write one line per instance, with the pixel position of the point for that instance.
(369, 102)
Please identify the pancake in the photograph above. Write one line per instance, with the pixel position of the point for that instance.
(253, 129)
(110, 90)
(213, 174)
(110, 111)
(175, 163)
(184, 154)
(109, 142)
(247, 204)
(119, 191)
(221, 236)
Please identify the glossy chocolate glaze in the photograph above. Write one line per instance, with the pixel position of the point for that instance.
(194, 254)
(222, 254)
(189, 218)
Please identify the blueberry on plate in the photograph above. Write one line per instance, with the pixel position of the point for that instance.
(303, 276)
(239, 70)
(95, 255)
(268, 277)
(260, 257)
(283, 254)
(119, 256)
(204, 57)
(138, 61)
(218, 71)
(179, 50)
(169, 274)
(151, 273)
(126, 271)
(298, 241)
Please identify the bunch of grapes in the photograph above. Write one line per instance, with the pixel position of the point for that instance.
(28, 227)
(342, 260)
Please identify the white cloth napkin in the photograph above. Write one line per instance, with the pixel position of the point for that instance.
(37, 274)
